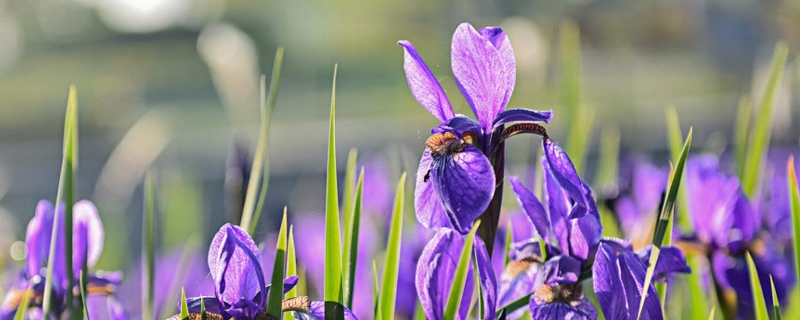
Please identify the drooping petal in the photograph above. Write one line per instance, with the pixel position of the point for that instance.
(434, 275)
(564, 172)
(619, 281)
(88, 235)
(488, 281)
(533, 208)
(558, 203)
(424, 85)
(670, 261)
(561, 269)
(585, 233)
(37, 238)
(234, 261)
(464, 181)
(519, 278)
(427, 205)
(485, 70)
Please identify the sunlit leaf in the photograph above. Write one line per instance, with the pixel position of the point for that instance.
(291, 263)
(352, 230)
(743, 113)
(333, 244)
(274, 304)
(759, 304)
(776, 305)
(460, 277)
(184, 306)
(391, 267)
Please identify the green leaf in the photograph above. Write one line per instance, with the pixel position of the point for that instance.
(582, 117)
(759, 305)
(203, 315)
(333, 244)
(82, 288)
(507, 244)
(274, 304)
(743, 114)
(291, 263)
(609, 157)
(351, 238)
(698, 308)
(794, 203)
(22, 308)
(776, 305)
(149, 246)
(391, 267)
(711, 314)
(512, 306)
(260, 166)
(675, 136)
(375, 291)
(184, 306)
(460, 277)
(664, 218)
(762, 129)
(65, 194)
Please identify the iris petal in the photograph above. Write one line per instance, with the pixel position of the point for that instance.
(429, 209)
(533, 208)
(564, 172)
(465, 183)
(423, 84)
(485, 70)
(579, 310)
(671, 260)
(234, 261)
(37, 238)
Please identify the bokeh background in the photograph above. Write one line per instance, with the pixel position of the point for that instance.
(173, 84)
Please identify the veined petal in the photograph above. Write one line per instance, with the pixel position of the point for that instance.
(434, 275)
(619, 281)
(37, 238)
(533, 208)
(564, 172)
(519, 278)
(427, 205)
(585, 233)
(423, 84)
(464, 181)
(578, 310)
(485, 70)
(558, 203)
(234, 261)
(670, 261)
(561, 269)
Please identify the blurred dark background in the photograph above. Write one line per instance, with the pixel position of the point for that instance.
(173, 84)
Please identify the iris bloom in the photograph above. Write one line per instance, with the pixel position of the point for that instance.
(640, 201)
(462, 164)
(575, 251)
(727, 226)
(240, 287)
(87, 246)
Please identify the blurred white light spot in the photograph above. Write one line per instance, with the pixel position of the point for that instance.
(11, 40)
(141, 16)
(18, 251)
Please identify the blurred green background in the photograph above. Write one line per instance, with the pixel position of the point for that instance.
(173, 84)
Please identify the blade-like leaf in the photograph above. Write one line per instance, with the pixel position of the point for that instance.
(274, 304)
(65, 195)
(351, 239)
(794, 202)
(776, 305)
(759, 304)
(665, 216)
(184, 306)
(460, 277)
(260, 167)
(711, 314)
(609, 158)
(82, 287)
(507, 244)
(148, 245)
(391, 267)
(22, 308)
(743, 114)
(581, 116)
(514, 305)
(762, 129)
(675, 136)
(333, 244)
(203, 314)
(291, 263)
(698, 308)
(375, 291)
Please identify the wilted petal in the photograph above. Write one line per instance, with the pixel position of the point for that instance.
(434, 275)
(423, 84)
(670, 261)
(234, 261)
(533, 208)
(563, 171)
(427, 205)
(464, 181)
(561, 269)
(37, 238)
(585, 233)
(485, 71)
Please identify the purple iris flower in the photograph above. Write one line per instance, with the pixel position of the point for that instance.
(637, 206)
(87, 246)
(727, 225)
(462, 164)
(240, 287)
(575, 251)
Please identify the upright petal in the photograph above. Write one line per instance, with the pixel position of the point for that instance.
(567, 177)
(619, 281)
(234, 261)
(558, 203)
(533, 208)
(584, 235)
(427, 205)
(711, 197)
(485, 70)
(88, 238)
(423, 84)
(434, 275)
(37, 238)
(465, 183)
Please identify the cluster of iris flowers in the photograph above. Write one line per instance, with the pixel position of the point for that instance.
(459, 261)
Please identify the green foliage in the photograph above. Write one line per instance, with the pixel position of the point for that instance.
(776, 305)
(274, 307)
(460, 277)
(333, 245)
(392, 264)
(291, 263)
(759, 305)
(743, 113)
(352, 229)
(762, 128)
(582, 117)
(149, 246)
(184, 306)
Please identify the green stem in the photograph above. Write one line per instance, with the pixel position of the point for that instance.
(491, 217)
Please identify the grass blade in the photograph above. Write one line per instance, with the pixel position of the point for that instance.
(82, 286)
(460, 277)
(711, 314)
(203, 314)
(22, 309)
(759, 305)
(65, 194)
(392, 264)
(276, 289)
(184, 306)
(794, 200)
(664, 218)
(291, 263)
(507, 244)
(776, 305)
(762, 129)
(582, 117)
(333, 244)
(351, 239)
(743, 113)
(375, 291)
(148, 246)
(675, 136)
(697, 295)
(260, 167)
(609, 158)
